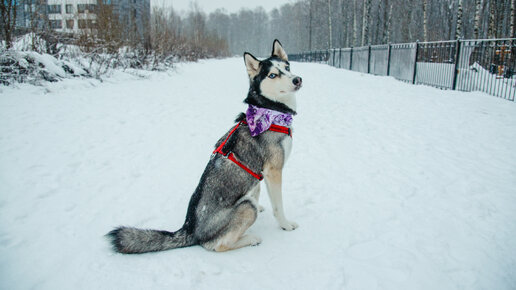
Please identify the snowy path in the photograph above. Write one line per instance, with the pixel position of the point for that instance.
(394, 186)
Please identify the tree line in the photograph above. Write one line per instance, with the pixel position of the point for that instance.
(321, 24)
(302, 26)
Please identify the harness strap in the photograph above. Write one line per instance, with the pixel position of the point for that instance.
(281, 129)
(258, 176)
(231, 156)
(276, 128)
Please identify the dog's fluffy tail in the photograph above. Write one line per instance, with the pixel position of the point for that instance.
(136, 241)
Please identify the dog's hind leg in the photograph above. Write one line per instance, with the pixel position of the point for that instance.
(242, 217)
(255, 193)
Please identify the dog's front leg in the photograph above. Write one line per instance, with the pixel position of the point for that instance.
(273, 180)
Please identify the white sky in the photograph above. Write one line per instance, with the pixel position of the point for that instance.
(230, 5)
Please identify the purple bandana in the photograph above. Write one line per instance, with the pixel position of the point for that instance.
(260, 120)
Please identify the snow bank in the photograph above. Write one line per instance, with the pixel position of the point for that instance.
(394, 186)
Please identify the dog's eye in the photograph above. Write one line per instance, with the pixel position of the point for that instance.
(273, 75)
(287, 68)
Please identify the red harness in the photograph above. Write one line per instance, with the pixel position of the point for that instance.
(229, 155)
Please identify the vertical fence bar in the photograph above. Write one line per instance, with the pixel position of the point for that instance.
(369, 59)
(457, 59)
(340, 57)
(415, 64)
(389, 60)
(351, 59)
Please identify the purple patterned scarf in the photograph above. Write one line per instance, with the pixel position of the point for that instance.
(260, 120)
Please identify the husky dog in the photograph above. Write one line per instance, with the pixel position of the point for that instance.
(225, 203)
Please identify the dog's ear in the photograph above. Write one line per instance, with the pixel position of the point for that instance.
(252, 64)
(277, 50)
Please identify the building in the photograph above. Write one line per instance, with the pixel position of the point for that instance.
(74, 16)
(31, 13)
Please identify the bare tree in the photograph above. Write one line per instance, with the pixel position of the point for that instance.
(458, 30)
(425, 20)
(108, 28)
(355, 29)
(491, 30)
(387, 23)
(8, 12)
(513, 18)
(310, 26)
(330, 44)
(365, 22)
(478, 12)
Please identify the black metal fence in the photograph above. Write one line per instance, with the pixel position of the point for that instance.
(486, 65)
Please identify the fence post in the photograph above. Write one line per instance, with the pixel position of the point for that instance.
(334, 53)
(369, 59)
(389, 59)
(340, 57)
(351, 59)
(456, 71)
(415, 64)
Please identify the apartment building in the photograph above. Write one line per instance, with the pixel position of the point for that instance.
(71, 15)
(74, 16)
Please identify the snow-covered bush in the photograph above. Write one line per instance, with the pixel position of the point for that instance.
(33, 67)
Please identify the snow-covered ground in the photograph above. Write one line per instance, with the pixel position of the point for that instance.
(394, 186)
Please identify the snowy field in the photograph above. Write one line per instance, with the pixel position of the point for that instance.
(394, 186)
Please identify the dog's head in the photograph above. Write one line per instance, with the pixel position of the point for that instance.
(272, 78)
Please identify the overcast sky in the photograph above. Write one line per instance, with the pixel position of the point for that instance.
(230, 5)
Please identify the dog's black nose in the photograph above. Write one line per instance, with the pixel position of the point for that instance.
(297, 81)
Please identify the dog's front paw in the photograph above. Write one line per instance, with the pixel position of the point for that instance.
(289, 226)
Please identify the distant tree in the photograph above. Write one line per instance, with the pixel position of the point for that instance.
(330, 44)
(108, 28)
(8, 9)
(513, 18)
(478, 13)
(355, 29)
(365, 22)
(458, 29)
(425, 20)
(491, 31)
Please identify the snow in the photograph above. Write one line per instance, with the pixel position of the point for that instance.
(394, 186)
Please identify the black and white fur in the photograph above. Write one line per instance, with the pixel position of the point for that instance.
(225, 203)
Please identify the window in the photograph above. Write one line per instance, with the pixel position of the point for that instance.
(86, 23)
(69, 8)
(56, 24)
(82, 23)
(69, 23)
(81, 8)
(54, 9)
